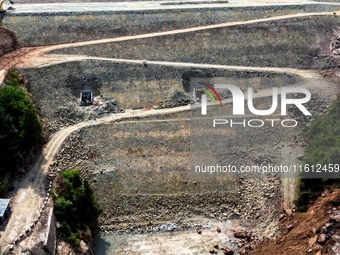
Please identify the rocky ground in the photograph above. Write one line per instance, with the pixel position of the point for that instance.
(139, 170)
(138, 198)
(74, 113)
(318, 105)
(314, 232)
(175, 98)
(335, 43)
(7, 41)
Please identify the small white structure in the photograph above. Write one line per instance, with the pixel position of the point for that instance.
(5, 209)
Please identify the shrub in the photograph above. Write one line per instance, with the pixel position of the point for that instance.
(75, 206)
(323, 136)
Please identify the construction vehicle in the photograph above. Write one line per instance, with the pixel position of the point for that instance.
(2, 4)
(86, 98)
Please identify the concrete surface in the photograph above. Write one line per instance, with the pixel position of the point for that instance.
(145, 5)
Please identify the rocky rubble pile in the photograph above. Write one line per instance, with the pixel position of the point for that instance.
(145, 213)
(335, 43)
(72, 155)
(247, 240)
(259, 196)
(175, 98)
(327, 238)
(72, 113)
(244, 241)
(119, 211)
(253, 206)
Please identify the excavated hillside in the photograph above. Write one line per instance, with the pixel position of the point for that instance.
(314, 232)
(139, 167)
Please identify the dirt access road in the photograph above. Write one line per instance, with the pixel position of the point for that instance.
(34, 57)
(29, 198)
(54, 59)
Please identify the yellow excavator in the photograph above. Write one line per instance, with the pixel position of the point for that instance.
(2, 3)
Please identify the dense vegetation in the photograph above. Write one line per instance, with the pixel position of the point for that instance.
(323, 136)
(75, 206)
(20, 129)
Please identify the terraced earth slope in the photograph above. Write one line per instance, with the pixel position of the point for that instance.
(138, 161)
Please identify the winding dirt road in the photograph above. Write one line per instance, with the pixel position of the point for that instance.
(27, 57)
(30, 196)
(48, 60)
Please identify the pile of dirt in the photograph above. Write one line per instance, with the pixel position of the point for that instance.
(8, 41)
(175, 98)
(73, 113)
(335, 44)
(315, 232)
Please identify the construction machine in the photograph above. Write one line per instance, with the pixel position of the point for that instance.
(86, 98)
(2, 3)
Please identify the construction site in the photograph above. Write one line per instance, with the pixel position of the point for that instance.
(112, 83)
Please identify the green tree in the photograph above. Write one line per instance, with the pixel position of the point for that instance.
(323, 136)
(75, 206)
(20, 129)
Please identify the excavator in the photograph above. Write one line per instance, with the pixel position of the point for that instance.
(2, 3)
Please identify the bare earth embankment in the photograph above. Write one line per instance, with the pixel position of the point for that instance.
(137, 161)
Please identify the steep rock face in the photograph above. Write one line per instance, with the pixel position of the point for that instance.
(8, 41)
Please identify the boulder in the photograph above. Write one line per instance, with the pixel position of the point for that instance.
(324, 230)
(290, 227)
(322, 238)
(83, 249)
(335, 218)
(300, 156)
(228, 250)
(312, 240)
(240, 233)
(289, 212)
